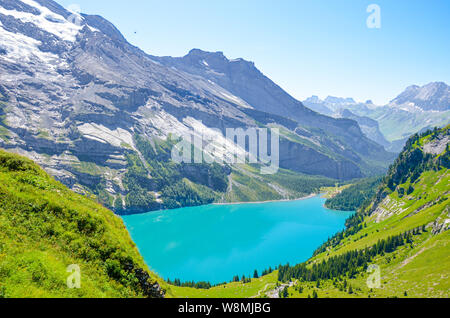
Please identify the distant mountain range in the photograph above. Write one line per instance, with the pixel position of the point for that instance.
(92, 109)
(433, 96)
(415, 110)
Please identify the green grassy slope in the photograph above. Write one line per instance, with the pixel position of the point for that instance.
(254, 289)
(413, 198)
(44, 228)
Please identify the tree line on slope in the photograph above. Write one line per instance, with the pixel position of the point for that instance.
(408, 167)
(188, 184)
(208, 285)
(347, 264)
(180, 185)
(356, 196)
(413, 161)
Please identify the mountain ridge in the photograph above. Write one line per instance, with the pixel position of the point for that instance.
(79, 97)
(429, 97)
(414, 110)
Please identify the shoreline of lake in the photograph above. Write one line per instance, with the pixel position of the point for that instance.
(312, 195)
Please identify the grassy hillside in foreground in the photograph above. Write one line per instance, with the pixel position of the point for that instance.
(44, 228)
(413, 201)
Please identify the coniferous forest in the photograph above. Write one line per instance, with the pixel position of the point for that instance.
(347, 264)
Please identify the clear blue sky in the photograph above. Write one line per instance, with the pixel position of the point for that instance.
(308, 47)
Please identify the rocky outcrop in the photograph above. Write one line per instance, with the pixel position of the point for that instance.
(438, 146)
(300, 158)
(387, 208)
(442, 223)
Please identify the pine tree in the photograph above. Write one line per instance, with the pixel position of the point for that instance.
(285, 292)
(255, 274)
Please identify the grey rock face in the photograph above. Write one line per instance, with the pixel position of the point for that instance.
(245, 81)
(74, 96)
(433, 96)
(369, 126)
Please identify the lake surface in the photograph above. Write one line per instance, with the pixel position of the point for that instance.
(216, 242)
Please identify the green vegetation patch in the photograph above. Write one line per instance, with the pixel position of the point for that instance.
(179, 185)
(4, 132)
(45, 227)
(253, 289)
(355, 196)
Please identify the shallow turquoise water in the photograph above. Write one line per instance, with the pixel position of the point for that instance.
(215, 242)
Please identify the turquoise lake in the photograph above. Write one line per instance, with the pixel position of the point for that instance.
(216, 242)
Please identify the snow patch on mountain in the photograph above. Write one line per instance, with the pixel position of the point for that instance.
(235, 100)
(22, 48)
(219, 147)
(118, 137)
(47, 20)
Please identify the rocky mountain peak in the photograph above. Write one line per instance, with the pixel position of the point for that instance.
(339, 100)
(106, 27)
(313, 99)
(432, 96)
(198, 53)
(217, 61)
